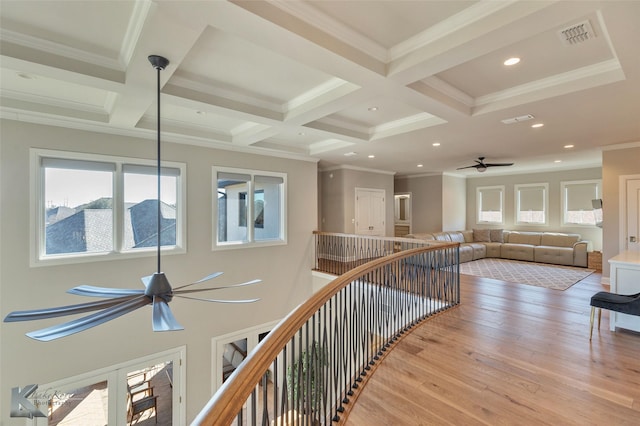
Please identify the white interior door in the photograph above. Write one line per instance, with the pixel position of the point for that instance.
(370, 211)
(633, 215)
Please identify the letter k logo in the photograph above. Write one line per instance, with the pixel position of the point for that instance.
(21, 406)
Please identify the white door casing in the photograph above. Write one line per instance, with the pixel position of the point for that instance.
(632, 234)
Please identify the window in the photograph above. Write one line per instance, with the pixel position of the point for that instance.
(108, 395)
(250, 207)
(576, 202)
(258, 208)
(90, 205)
(531, 203)
(490, 204)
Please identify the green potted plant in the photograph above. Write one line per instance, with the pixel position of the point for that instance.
(306, 380)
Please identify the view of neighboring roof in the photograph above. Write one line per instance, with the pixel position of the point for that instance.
(91, 230)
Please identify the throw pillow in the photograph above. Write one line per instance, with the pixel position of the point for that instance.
(497, 236)
(481, 235)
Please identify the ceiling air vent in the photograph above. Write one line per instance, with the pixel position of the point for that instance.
(518, 119)
(577, 33)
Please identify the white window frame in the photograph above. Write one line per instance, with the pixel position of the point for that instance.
(563, 200)
(479, 190)
(218, 343)
(545, 201)
(38, 256)
(250, 241)
(116, 378)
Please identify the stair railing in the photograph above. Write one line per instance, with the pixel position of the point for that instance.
(309, 368)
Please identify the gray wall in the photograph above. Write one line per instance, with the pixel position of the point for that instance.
(426, 201)
(454, 203)
(554, 180)
(285, 270)
(615, 163)
(339, 192)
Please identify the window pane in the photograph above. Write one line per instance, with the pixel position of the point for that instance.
(579, 196)
(141, 207)
(232, 202)
(531, 204)
(258, 208)
(578, 208)
(490, 204)
(76, 197)
(491, 200)
(268, 207)
(233, 355)
(88, 402)
(78, 210)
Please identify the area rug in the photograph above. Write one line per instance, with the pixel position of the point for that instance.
(555, 277)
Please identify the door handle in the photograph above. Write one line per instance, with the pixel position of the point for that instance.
(371, 229)
(632, 239)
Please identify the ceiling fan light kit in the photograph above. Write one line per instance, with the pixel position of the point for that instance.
(158, 291)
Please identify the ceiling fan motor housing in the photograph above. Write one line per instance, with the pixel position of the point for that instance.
(159, 286)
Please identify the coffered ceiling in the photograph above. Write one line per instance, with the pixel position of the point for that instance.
(340, 81)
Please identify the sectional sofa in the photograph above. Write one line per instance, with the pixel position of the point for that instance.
(543, 247)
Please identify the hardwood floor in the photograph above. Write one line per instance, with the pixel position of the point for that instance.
(510, 354)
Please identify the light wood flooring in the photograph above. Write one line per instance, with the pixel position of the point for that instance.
(510, 354)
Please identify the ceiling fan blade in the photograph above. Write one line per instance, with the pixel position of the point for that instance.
(38, 314)
(468, 167)
(498, 164)
(84, 323)
(162, 318)
(207, 278)
(177, 292)
(89, 290)
(219, 300)
(146, 280)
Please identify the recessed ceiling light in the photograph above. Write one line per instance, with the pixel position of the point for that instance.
(568, 146)
(511, 61)
(537, 125)
(350, 154)
(558, 161)
(373, 108)
(436, 144)
(420, 165)
(372, 156)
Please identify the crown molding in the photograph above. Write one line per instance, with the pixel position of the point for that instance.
(445, 28)
(421, 175)
(355, 168)
(448, 90)
(621, 146)
(142, 133)
(58, 49)
(314, 17)
(601, 69)
(141, 9)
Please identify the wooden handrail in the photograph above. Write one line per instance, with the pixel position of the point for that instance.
(374, 237)
(224, 406)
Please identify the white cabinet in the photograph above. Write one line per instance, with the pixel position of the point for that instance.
(625, 279)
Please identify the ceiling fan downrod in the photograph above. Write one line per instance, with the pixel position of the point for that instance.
(159, 63)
